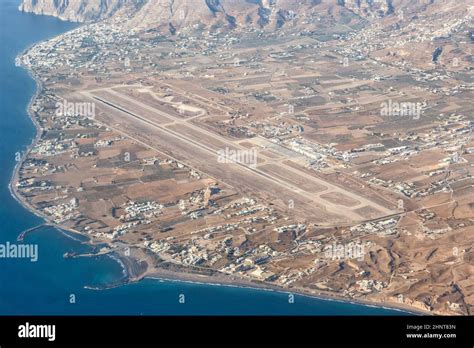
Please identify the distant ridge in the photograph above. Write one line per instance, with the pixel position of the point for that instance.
(172, 15)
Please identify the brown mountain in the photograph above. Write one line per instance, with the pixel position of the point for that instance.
(268, 14)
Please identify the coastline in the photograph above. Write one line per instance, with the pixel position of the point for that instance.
(216, 280)
(244, 284)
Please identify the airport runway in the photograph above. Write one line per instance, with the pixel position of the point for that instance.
(200, 147)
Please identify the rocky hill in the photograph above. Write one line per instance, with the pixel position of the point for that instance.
(79, 10)
(407, 22)
(233, 13)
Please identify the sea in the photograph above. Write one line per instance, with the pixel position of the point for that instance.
(55, 285)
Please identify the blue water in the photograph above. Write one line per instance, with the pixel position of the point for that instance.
(45, 287)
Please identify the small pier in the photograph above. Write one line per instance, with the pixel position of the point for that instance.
(21, 236)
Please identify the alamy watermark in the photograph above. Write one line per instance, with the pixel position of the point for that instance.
(401, 109)
(246, 157)
(28, 330)
(66, 108)
(353, 250)
(19, 251)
